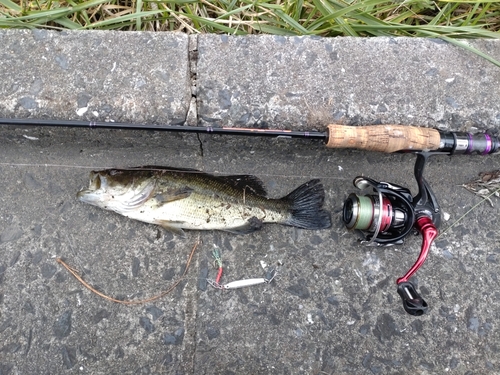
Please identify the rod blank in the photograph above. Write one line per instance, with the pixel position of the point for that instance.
(382, 138)
(169, 128)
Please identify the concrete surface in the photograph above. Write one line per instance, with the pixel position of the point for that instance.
(297, 82)
(334, 308)
(95, 74)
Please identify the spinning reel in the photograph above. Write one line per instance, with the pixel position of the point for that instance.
(387, 214)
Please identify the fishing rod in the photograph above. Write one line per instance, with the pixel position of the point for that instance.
(382, 213)
(382, 138)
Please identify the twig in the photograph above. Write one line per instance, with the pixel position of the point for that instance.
(468, 212)
(129, 302)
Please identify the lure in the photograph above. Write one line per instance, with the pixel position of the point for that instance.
(218, 261)
(243, 283)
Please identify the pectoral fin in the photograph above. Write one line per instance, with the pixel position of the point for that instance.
(168, 196)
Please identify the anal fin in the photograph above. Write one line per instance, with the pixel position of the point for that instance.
(172, 226)
(253, 224)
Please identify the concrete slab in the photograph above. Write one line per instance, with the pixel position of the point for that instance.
(301, 82)
(332, 310)
(95, 75)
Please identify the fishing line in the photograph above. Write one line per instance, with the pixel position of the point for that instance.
(468, 212)
(48, 165)
(384, 217)
(67, 166)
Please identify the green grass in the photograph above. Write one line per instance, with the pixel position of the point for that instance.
(290, 17)
(449, 20)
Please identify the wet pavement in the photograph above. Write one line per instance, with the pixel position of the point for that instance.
(333, 308)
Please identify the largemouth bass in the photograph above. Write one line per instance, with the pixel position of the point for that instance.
(178, 199)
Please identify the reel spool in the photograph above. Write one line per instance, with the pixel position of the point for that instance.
(384, 218)
(387, 214)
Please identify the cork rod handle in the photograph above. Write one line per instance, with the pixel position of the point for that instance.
(383, 138)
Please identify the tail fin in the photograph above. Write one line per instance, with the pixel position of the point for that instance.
(306, 204)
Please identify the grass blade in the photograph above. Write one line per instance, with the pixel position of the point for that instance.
(468, 47)
(290, 21)
(118, 21)
(11, 5)
(138, 10)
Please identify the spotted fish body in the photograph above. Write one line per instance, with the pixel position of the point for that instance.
(178, 199)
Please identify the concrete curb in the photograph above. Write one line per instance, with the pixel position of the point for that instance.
(307, 82)
(262, 81)
(111, 76)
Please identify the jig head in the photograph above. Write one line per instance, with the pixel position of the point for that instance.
(388, 213)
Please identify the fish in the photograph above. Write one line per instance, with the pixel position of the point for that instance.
(178, 199)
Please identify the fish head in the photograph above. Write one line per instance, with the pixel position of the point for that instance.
(117, 190)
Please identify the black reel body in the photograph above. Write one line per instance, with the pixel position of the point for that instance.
(387, 213)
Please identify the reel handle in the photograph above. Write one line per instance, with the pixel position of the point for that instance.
(413, 303)
(429, 232)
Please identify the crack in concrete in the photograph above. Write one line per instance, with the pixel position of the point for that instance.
(192, 112)
(191, 306)
(201, 144)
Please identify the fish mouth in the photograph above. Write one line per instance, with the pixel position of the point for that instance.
(85, 195)
(93, 192)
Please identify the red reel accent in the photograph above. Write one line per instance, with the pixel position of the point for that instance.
(429, 232)
(386, 213)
